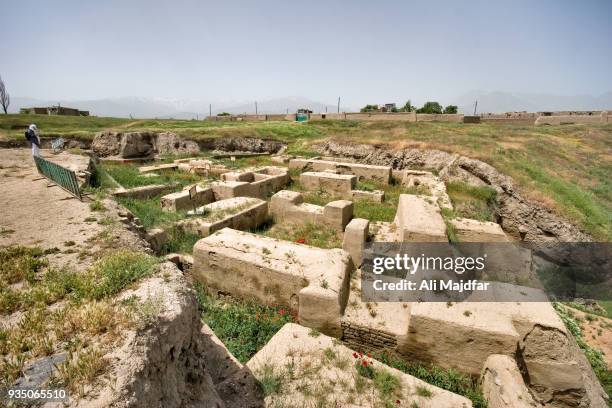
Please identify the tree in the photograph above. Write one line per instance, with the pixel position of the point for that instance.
(407, 107)
(5, 98)
(430, 107)
(370, 108)
(450, 109)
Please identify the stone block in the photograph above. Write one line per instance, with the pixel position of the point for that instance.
(502, 384)
(312, 281)
(377, 196)
(380, 174)
(355, 237)
(229, 189)
(328, 182)
(241, 213)
(478, 329)
(289, 207)
(238, 176)
(145, 192)
(157, 238)
(431, 182)
(468, 230)
(338, 213)
(166, 166)
(181, 200)
(418, 219)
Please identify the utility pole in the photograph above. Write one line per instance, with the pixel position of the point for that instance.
(255, 108)
(475, 106)
(338, 104)
(210, 109)
(325, 108)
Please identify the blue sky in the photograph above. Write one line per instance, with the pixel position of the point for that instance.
(363, 50)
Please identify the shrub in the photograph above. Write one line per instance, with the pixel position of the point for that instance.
(430, 107)
(450, 109)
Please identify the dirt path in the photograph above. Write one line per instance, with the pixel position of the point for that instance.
(33, 214)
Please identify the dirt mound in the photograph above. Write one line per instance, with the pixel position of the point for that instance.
(141, 144)
(247, 144)
(517, 216)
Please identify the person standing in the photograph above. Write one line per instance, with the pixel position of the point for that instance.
(32, 136)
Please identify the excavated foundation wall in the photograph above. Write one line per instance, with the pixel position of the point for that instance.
(518, 217)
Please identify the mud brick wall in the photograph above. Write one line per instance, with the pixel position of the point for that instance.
(366, 338)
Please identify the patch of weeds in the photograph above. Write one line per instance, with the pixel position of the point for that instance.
(386, 383)
(478, 203)
(80, 368)
(467, 313)
(243, 326)
(423, 391)
(364, 368)
(310, 234)
(150, 213)
(90, 219)
(69, 243)
(449, 380)
(270, 381)
(324, 284)
(18, 263)
(114, 272)
(329, 354)
(96, 206)
(314, 332)
(6, 231)
(179, 241)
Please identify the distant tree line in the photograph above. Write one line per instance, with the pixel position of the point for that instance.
(428, 107)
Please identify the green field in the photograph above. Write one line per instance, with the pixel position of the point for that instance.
(564, 168)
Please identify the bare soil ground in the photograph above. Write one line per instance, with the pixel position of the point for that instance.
(597, 332)
(34, 214)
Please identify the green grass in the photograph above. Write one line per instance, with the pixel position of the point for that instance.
(449, 380)
(372, 211)
(128, 176)
(86, 317)
(243, 326)
(310, 234)
(477, 203)
(179, 242)
(113, 273)
(150, 213)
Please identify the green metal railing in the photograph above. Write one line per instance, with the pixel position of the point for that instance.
(63, 177)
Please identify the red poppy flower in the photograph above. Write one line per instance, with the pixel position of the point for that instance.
(355, 355)
(369, 355)
(282, 312)
(364, 363)
(397, 402)
(301, 240)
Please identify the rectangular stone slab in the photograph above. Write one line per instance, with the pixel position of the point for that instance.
(418, 219)
(182, 201)
(242, 213)
(329, 182)
(381, 174)
(312, 281)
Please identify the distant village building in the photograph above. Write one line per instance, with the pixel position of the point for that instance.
(389, 107)
(53, 110)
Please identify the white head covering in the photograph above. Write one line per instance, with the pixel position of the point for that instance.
(32, 127)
